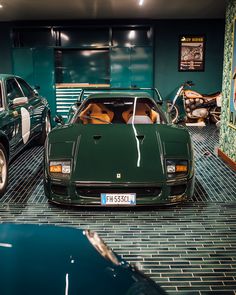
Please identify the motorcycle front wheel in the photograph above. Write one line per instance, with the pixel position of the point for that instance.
(215, 114)
(174, 113)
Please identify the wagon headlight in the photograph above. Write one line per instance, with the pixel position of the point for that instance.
(176, 168)
(60, 168)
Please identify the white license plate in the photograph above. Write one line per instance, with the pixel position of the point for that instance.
(118, 199)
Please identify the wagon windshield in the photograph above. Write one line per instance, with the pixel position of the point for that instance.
(130, 110)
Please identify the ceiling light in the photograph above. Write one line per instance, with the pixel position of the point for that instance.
(1, 6)
(132, 34)
(128, 45)
(65, 37)
(86, 52)
(140, 2)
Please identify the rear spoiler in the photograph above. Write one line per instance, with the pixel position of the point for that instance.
(154, 90)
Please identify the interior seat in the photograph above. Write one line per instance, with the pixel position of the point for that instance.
(139, 120)
(96, 110)
(142, 111)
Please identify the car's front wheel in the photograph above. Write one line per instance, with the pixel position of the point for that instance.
(3, 170)
(174, 112)
(46, 129)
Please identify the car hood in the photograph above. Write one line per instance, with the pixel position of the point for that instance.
(41, 259)
(121, 153)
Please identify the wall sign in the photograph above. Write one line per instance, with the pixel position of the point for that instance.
(232, 103)
(191, 53)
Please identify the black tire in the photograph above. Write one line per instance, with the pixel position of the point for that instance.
(215, 113)
(46, 129)
(174, 113)
(3, 170)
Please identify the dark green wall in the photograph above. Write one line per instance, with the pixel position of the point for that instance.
(167, 77)
(166, 53)
(36, 65)
(83, 66)
(5, 49)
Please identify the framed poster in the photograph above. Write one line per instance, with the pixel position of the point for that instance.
(232, 103)
(191, 53)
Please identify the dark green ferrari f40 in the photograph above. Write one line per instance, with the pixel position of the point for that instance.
(118, 149)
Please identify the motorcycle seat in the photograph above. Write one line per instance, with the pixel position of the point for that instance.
(213, 95)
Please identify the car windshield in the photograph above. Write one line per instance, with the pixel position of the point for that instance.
(130, 110)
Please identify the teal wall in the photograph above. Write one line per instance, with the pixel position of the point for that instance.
(83, 66)
(36, 66)
(149, 65)
(228, 131)
(5, 48)
(167, 76)
(131, 67)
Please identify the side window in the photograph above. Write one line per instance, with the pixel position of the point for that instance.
(13, 90)
(27, 90)
(1, 104)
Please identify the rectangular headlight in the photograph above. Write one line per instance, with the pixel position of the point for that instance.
(63, 167)
(181, 168)
(176, 168)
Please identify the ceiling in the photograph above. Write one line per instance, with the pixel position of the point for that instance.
(15, 10)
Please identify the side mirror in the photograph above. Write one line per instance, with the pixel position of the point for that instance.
(189, 83)
(36, 92)
(59, 119)
(19, 101)
(35, 89)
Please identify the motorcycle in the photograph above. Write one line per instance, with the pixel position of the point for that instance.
(197, 108)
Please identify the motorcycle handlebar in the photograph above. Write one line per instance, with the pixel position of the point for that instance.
(189, 83)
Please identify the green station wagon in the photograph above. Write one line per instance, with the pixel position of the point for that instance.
(24, 116)
(118, 149)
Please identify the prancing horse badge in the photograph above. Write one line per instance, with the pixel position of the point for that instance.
(118, 175)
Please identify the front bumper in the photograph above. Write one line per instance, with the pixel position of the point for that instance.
(89, 193)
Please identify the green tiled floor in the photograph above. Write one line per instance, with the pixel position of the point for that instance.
(186, 248)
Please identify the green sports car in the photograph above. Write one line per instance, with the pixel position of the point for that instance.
(118, 149)
(24, 116)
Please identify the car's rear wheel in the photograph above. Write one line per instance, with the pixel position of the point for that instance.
(215, 113)
(3, 170)
(46, 129)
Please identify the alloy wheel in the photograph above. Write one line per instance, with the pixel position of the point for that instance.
(3, 169)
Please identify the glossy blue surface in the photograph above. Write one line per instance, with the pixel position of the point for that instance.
(39, 259)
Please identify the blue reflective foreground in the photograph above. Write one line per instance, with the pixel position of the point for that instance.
(41, 259)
